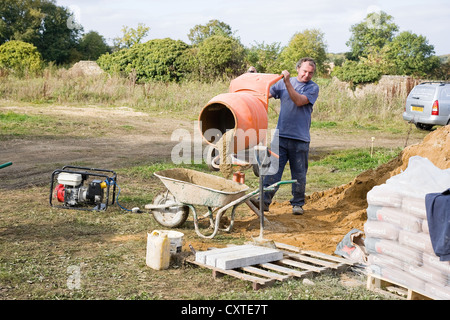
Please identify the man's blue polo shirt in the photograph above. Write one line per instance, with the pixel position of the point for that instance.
(294, 122)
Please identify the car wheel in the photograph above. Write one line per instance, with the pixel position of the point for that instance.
(423, 126)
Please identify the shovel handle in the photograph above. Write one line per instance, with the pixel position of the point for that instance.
(5, 165)
(269, 188)
(287, 182)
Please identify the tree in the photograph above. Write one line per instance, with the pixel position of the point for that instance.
(131, 36)
(309, 43)
(59, 37)
(443, 71)
(377, 30)
(92, 45)
(265, 57)
(20, 20)
(214, 27)
(412, 55)
(41, 23)
(220, 56)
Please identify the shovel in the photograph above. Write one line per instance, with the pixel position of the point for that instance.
(263, 165)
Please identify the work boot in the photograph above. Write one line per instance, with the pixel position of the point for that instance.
(255, 202)
(297, 210)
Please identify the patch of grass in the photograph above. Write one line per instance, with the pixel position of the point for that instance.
(324, 287)
(336, 169)
(16, 124)
(357, 160)
(146, 171)
(323, 124)
(341, 167)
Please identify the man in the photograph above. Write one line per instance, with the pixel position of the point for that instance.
(292, 136)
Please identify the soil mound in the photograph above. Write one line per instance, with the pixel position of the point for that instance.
(86, 68)
(331, 214)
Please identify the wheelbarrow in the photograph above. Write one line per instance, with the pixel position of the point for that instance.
(187, 189)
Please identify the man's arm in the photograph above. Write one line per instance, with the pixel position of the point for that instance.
(297, 98)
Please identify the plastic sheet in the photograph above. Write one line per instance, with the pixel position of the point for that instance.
(396, 231)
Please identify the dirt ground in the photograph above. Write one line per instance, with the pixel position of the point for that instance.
(329, 214)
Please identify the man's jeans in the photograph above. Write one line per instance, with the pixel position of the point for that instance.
(296, 152)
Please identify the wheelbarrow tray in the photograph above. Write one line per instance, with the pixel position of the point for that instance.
(198, 188)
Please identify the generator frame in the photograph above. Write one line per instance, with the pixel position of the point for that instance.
(108, 175)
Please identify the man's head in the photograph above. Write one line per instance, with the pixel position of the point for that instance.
(305, 69)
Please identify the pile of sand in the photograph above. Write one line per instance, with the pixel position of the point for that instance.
(331, 214)
(85, 68)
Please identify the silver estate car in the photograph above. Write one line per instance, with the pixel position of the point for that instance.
(428, 104)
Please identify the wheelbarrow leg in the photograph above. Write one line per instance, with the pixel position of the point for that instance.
(228, 229)
(210, 216)
(197, 229)
(216, 224)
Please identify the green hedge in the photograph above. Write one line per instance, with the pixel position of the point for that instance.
(174, 60)
(157, 59)
(20, 57)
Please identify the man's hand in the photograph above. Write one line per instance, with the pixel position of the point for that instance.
(297, 98)
(286, 75)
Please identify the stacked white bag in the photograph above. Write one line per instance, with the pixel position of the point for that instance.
(396, 231)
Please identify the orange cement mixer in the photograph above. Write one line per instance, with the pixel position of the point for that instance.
(243, 109)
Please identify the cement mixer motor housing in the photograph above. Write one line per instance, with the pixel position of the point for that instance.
(82, 188)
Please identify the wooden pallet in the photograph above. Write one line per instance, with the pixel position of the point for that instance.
(296, 263)
(377, 283)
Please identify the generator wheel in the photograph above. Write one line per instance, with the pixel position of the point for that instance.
(171, 217)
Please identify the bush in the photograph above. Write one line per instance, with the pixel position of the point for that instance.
(158, 59)
(220, 56)
(357, 72)
(20, 57)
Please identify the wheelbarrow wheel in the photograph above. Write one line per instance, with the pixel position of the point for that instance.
(171, 217)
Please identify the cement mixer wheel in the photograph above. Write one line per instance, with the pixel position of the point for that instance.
(171, 217)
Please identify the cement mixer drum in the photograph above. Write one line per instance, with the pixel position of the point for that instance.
(243, 109)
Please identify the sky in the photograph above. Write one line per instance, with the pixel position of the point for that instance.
(262, 21)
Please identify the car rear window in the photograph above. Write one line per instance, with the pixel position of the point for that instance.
(445, 94)
(423, 92)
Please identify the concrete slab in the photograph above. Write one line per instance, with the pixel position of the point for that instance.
(239, 256)
(200, 256)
